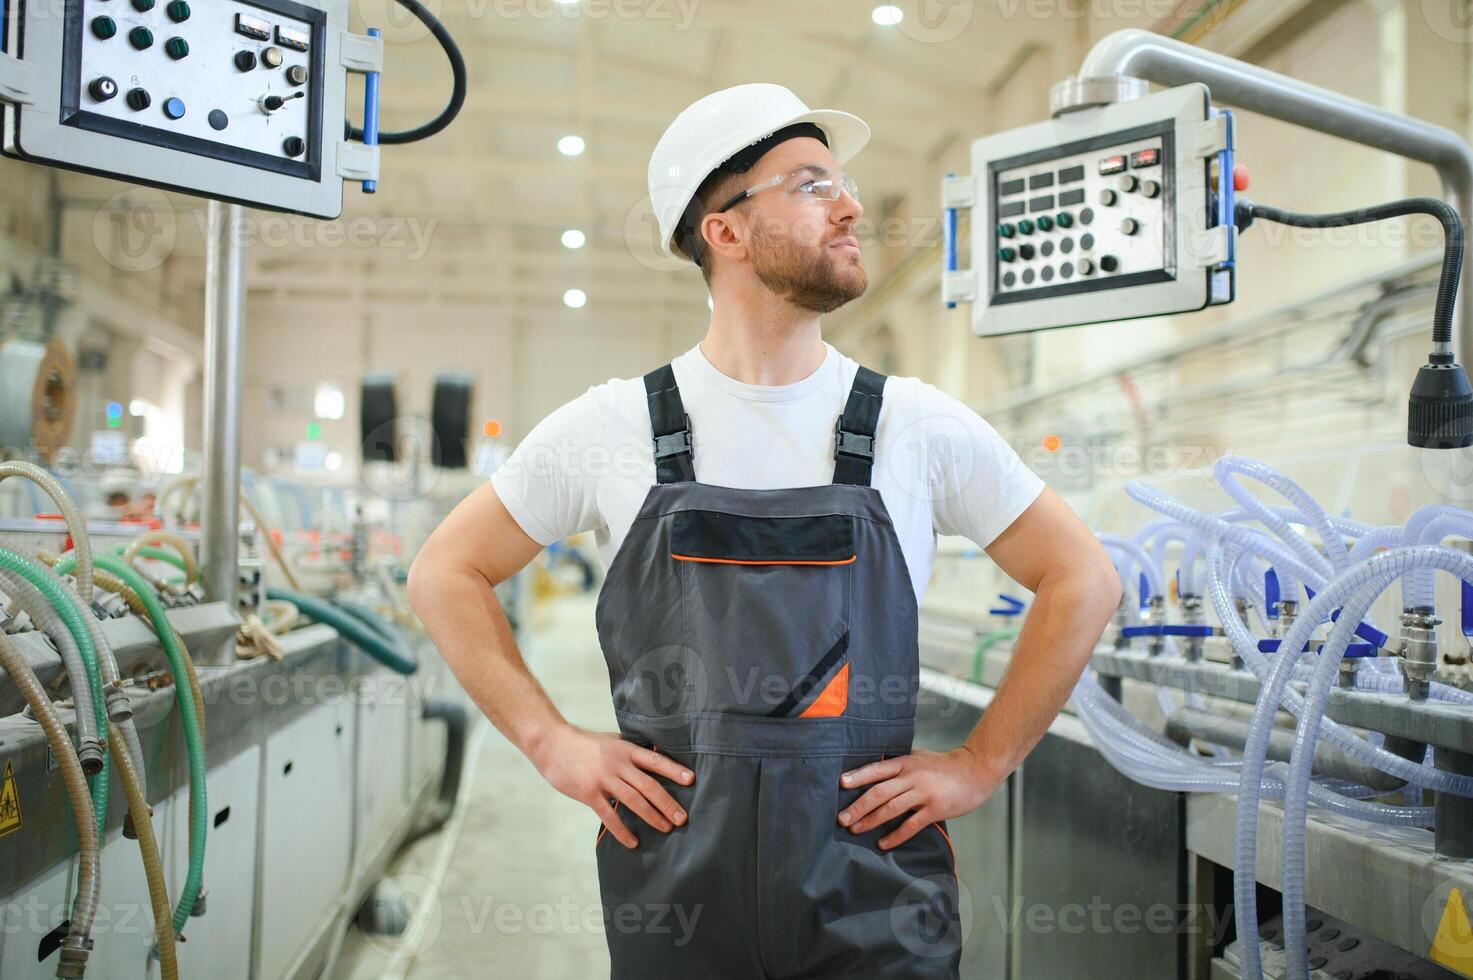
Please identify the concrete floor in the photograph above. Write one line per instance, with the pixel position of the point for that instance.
(509, 888)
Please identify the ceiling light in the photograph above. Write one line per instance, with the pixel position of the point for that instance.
(887, 14)
(575, 299)
(571, 146)
(574, 238)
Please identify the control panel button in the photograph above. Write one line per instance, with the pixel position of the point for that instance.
(294, 146)
(297, 75)
(1065, 219)
(141, 38)
(1027, 277)
(1087, 216)
(1129, 226)
(1086, 241)
(1009, 278)
(174, 107)
(245, 60)
(1109, 263)
(1129, 183)
(218, 119)
(1066, 245)
(1045, 223)
(102, 89)
(1007, 253)
(1025, 251)
(1006, 230)
(1108, 197)
(139, 99)
(1025, 227)
(272, 57)
(1047, 275)
(1151, 188)
(178, 11)
(104, 27)
(143, 6)
(1066, 271)
(177, 48)
(1086, 267)
(1046, 249)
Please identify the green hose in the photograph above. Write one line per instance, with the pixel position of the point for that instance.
(32, 572)
(987, 642)
(359, 626)
(198, 806)
(158, 554)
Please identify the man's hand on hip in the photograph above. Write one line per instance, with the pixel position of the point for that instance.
(930, 786)
(596, 768)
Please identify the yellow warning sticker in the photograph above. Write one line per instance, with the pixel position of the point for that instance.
(1453, 945)
(9, 802)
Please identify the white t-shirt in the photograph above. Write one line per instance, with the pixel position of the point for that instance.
(938, 466)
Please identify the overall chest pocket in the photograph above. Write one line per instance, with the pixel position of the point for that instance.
(765, 602)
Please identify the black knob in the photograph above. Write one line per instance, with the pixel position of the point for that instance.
(1109, 263)
(178, 11)
(272, 57)
(177, 48)
(141, 38)
(1026, 251)
(139, 99)
(143, 6)
(245, 60)
(104, 27)
(297, 75)
(103, 88)
(1045, 223)
(294, 146)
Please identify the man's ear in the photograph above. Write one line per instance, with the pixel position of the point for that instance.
(724, 234)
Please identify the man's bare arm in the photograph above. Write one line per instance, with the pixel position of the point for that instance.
(478, 546)
(1051, 552)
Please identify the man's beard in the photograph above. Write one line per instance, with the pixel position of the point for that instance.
(805, 276)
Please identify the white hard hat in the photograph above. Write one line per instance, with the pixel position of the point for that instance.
(714, 129)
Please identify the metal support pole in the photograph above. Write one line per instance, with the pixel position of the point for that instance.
(1169, 62)
(1453, 814)
(224, 356)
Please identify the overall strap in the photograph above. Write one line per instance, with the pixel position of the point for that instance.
(674, 461)
(854, 433)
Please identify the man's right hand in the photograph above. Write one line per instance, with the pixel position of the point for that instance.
(595, 768)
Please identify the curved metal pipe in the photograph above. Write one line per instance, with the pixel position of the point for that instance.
(1168, 62)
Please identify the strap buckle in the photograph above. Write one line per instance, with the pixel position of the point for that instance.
(674, 444)
(855, 444)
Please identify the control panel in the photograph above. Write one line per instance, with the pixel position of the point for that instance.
(241, 100)
(1101, 214)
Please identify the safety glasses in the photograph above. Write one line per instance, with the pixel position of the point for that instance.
(811, 181)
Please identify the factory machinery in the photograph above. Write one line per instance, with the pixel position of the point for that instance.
(212, 741)
(1256, 777)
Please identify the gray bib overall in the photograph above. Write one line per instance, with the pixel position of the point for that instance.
(766, 639)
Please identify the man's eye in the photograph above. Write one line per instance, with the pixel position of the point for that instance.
(808, 186)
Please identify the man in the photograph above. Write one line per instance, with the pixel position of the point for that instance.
(767, 512)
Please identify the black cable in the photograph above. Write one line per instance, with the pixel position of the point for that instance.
(1452, 252)
(1440, 406)
(457, 93)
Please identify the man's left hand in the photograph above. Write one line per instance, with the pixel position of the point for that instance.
(930, 786)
